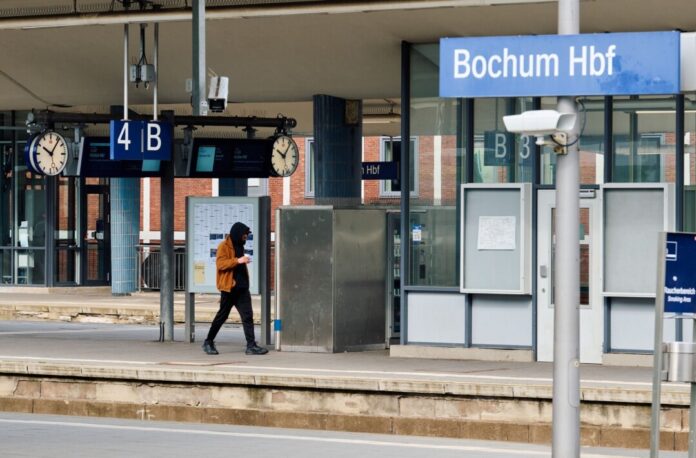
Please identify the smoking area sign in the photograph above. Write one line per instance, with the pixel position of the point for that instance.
(548, 65)
(680, 273)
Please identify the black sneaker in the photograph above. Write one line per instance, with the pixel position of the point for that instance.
(256, 350)
(209, 348)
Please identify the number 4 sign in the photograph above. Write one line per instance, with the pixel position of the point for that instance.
(140, 140)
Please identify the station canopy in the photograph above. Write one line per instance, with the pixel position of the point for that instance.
(68, 54)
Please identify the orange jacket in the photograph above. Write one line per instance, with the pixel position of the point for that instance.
(225, 262)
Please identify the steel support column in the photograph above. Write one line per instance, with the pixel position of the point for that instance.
(566, 329)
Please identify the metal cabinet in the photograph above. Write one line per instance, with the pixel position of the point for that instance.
(331, 278)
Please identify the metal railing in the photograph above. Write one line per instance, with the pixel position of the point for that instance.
(149, 267)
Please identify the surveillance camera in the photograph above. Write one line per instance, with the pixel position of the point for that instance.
(217, 95)
(540, 122)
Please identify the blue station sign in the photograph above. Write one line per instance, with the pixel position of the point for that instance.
(380, 170)
(680, 273)
(557, 65)
(140, 140)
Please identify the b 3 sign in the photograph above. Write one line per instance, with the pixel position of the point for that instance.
(140, 140)
(553, 65)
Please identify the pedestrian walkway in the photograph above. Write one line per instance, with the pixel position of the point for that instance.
(122, 371)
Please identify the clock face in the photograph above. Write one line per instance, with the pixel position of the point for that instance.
(49, 153)
(285, 156)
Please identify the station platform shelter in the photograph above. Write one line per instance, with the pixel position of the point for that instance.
(312, 59)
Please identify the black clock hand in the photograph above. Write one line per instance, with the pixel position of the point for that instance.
(47, 150)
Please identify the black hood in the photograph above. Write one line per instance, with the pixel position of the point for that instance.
(236, 233)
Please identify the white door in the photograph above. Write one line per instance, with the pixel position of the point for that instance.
(591, 306)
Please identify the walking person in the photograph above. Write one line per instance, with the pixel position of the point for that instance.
(232, 281)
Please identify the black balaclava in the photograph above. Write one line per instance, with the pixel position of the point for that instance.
(240, 273)
(236, 233)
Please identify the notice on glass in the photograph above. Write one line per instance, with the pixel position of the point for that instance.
(496, 233)
(199, 273)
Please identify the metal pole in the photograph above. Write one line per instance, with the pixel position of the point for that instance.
(264, 239)
(566, 334)
(125, 72)
(657, 353)
(199, 73)
(156, 64)
(405, 180)
(167, 247)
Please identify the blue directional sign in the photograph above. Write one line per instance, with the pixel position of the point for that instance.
(680, 273)
(548, 65)
(141, 140)
(380, 170)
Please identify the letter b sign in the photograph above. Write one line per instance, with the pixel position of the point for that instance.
(499, 148)
(141, 140)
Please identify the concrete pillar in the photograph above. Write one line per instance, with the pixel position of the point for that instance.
(125, 234)
(337, 150)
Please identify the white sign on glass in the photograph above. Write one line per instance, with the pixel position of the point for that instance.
(496, 233)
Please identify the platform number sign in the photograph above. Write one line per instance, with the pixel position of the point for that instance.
(140, 140)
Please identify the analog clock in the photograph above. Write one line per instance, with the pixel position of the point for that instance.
(284, 157)
(47, 153)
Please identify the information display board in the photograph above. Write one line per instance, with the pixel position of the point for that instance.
(679, 288)
(208, 221)
(496, 238)
(94, 161)
(231, 158)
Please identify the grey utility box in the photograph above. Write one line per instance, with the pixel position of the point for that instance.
(678, 361)
(331, 278)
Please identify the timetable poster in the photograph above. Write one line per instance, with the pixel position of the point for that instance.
(211, 224)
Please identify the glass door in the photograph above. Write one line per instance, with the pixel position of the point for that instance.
(590, 298)
(67, 251)
(95, 240)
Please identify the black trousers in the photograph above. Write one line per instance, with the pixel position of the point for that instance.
(242, 300)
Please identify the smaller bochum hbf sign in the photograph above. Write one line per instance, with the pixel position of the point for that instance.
(553, 65)
(680, 273)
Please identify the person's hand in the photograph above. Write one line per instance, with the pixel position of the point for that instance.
(244, 260)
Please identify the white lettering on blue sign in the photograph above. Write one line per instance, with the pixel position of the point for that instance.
(592, 62)
(154, 142)
(588, 64)
(140, 140)
(505, 65)
(123, 137)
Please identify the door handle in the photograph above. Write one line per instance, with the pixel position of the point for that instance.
(543, 271)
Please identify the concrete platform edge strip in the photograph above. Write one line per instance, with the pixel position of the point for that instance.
(676, 395)
(537, 433)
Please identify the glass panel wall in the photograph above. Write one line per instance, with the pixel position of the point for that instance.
(433, 217)
(591, 125)
(690, 163)
(22, 209)
(30, 220)
(501, 157)
(644, 140)
(6, 209)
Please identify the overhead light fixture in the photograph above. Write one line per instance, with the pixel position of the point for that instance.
(382, 113)
(384, 118)
(662, 111)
